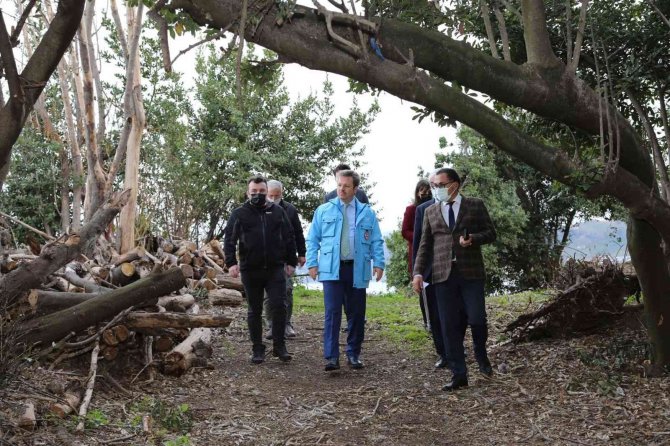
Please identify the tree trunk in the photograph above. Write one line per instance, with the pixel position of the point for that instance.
(59, 253)
(652, 271)
(47, 302)
(134, 111)
(55, 326)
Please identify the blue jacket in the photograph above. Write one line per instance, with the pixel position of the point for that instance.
(323, 242)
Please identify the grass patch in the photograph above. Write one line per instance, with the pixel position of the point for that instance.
(397, 316)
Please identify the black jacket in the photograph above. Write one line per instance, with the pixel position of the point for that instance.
(265, 237)
(293, 217)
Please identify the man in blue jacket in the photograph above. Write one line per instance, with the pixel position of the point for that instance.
(343, 246)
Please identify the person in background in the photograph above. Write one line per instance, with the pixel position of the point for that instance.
(267, 256)
(422, 194)
(452, 235)
(343, 244)
(275, 195)
(360, 193)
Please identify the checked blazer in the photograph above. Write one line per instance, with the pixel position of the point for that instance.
(440, 245)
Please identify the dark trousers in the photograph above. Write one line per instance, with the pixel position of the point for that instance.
(455, 297)
(273, 282)
(289, 304)
(435, 325)
(338, 294)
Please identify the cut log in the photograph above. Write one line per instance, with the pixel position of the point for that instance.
(182, 357)
(121, 332)
(27, 420)
(55, 326)
(124, 274)
(186, 246)
(187, 270)
(163, 344)
(206, 284)
(226, 281)
(100, 271)
(47, 302)
(8, 264)
(216, 248)
(59, 252)
(167, 247)
(108, 338)
(223, 296)
(212, 263)
(169, 260)
(198, 261)
(177, 303)
(186, 258)
(72, 399)
(210, 273)
(134, 254)
(88, 286)
(142, 320)
(109, 352)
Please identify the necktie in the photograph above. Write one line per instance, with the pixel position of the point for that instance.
(452, 219)
(344, 239)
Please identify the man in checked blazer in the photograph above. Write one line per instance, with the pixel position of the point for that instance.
(454, 229)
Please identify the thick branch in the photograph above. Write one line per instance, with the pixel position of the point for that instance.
(60, 252)
(536, 36)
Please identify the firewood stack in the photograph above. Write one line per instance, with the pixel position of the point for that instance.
(153, 303)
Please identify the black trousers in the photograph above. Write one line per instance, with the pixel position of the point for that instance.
(256, 283)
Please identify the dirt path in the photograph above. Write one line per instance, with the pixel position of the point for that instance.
(545, 398)
(584, 391)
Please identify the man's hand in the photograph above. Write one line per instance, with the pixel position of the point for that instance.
(234, 271)
(313, 271)
(417, 284)
(289, 269)
(378, 272)
(465, 242)
(301, 261)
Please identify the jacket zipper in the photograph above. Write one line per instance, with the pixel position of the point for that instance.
(265, 248)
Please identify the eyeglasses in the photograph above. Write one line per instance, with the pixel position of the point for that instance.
(442, 185)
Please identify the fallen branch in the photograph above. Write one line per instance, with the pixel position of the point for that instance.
(89, 387)
(27, 226)
(175, 320)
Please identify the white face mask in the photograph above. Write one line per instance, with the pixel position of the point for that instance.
(442, 194)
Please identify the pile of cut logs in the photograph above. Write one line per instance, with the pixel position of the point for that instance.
(76, 295)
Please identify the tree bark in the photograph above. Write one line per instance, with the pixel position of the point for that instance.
(55, 326)
(141, 320)
(47, 302)
(36, 73)
(181, 358)
(59, 253)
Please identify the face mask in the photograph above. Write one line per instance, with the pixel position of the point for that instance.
(424, 198)
(443, 194)
(257, 200)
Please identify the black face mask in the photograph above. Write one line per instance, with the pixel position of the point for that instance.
(424, 198)
(257, 200)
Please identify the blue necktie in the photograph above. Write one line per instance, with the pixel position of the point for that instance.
(452, 218)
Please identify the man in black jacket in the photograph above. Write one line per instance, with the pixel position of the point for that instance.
(275, 195)
(267, 255)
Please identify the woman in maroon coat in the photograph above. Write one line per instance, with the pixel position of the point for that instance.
(421, 195)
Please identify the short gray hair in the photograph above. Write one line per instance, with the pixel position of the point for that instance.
(274, 184)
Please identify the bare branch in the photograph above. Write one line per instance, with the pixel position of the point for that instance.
(27, 226)
(162, 33)
(486, 15)
(205, 40)
(658, 11)
(536, 34)
(119, 29)
(339, 6)
(15, 89)
(14, 39)
(503, 33)
(574, 62)
(568, 30)
(240, 51)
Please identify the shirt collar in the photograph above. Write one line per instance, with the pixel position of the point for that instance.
(457, 200)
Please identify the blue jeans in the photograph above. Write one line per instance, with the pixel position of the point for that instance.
(461, 301)
(336, 294)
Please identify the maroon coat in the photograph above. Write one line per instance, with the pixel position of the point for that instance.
(408, 233)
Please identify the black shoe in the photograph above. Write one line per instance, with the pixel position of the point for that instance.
(354, 362)
(485, 368)
(441, 363)
(258, 357)
(282, 353)
(456, 383)
(332, 364)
